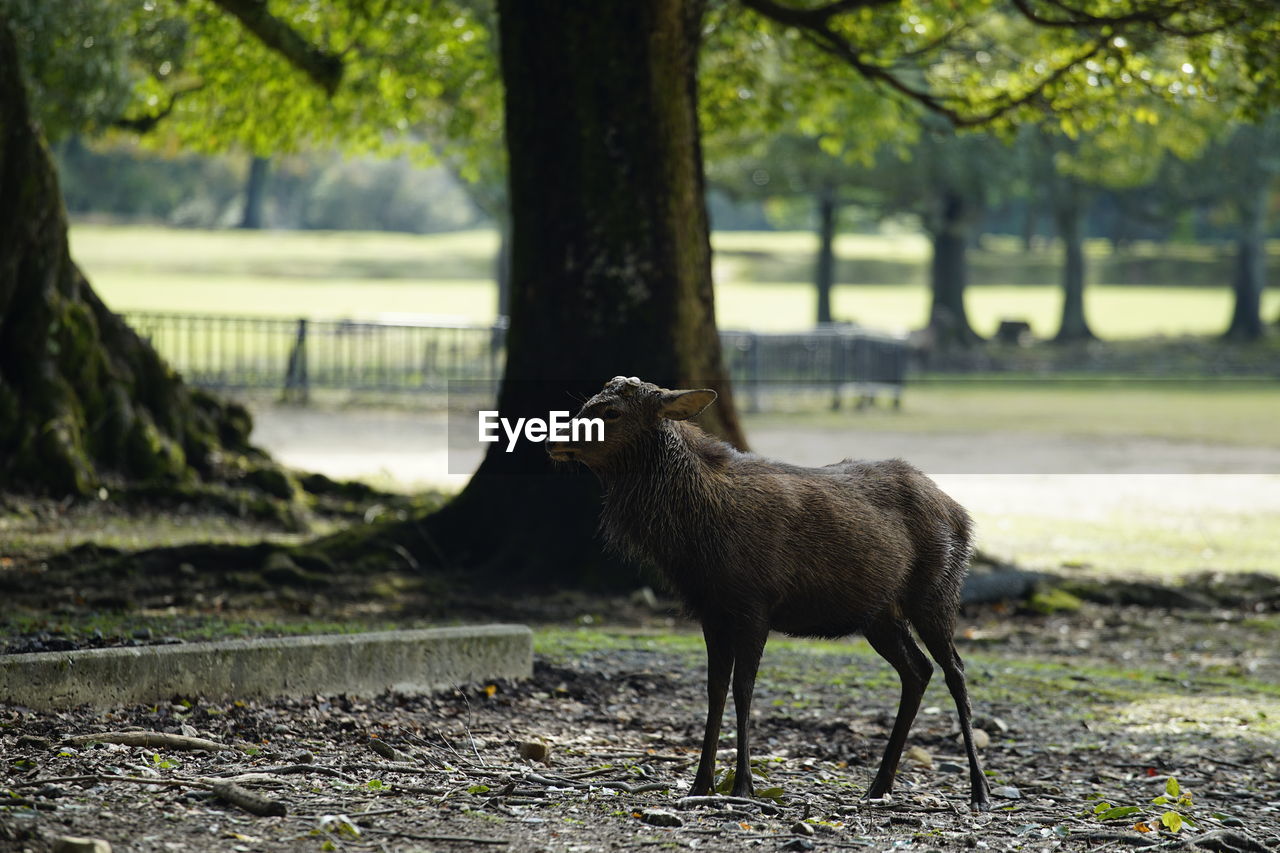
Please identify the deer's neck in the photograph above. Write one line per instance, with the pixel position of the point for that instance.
(663, 496)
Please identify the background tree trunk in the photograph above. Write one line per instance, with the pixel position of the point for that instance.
(1069, 215)
(502, 264)
(1251, 265)
(949, 272)
(825, 269)
(83, 400)
(255, 191)
(610, 268)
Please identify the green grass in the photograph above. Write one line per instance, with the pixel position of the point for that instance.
(1162, 544)
(1225, 411)
(762, 279)
(1153, 694)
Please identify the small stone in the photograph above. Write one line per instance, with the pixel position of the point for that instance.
(304, 757)
(384, 749)
(34, 742)
(660, 817)
(981, 739)
(994, 723)
(80, 844)
(950, 767)
(140, 634)
(798, 844)
(531, 750)
(1233, 821)
(50, 792)
(801, 828)
(920, 756)
(1006, 792)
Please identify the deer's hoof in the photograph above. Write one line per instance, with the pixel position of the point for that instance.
(983, 805)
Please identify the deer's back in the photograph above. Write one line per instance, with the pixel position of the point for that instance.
(832, 548)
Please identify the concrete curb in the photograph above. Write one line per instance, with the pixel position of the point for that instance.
(361, 664)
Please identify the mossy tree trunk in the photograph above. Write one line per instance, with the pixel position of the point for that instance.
(83, 400)
(610, 268)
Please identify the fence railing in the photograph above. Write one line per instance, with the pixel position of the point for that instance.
(298, 356)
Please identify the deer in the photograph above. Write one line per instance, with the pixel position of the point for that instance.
(752, 545)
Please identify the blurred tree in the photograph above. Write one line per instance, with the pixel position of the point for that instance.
(1069, 164)
(255, 192)
(1247, 162)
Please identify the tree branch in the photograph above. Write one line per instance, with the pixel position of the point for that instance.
(324, 68)
(815, 17)
(146, 123)
(1158, 15)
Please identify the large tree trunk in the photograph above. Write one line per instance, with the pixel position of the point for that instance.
(949, 272)
(1251, 266)
(1069, 215)
(825, 269)
(83, 400)
(610, 268)
(255, 192)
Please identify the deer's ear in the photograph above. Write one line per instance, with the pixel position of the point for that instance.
(682, 405)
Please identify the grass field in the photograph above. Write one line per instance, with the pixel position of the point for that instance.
(762, 279)
(1238, 412)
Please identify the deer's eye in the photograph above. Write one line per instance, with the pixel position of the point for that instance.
(611, 414)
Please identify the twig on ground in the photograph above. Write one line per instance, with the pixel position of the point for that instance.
(1117, 838)
(153, 739)
(248, 800)
(694, 802)
(285, 769)
(625, 787)
(459, 839)
(224, 789)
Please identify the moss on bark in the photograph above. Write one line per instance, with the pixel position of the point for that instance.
(84, 401)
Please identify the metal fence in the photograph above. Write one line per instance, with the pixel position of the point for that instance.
(298, 356)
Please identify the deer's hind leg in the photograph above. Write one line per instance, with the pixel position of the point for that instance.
(891, 638)
(937, 633)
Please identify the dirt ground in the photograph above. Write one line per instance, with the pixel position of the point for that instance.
(1088, 717)
(1088, 714)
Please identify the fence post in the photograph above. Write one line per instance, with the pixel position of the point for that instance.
(296, 384)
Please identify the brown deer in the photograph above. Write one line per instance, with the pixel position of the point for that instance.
(753, 545)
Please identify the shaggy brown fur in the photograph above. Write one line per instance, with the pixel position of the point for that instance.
(751, 545)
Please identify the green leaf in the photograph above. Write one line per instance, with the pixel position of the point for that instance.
(1118, 812)
(1101, 807)
(1171, 787)
(478, 789)
(1172, 821)
(770, 793)
(375, 784)
(1160, 801)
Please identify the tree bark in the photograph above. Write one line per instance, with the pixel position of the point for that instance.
(1251, 266)
(1069, 215)
(255, 191)
(825, 268)
(949, 272)
(610, 268)
(83, 400)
